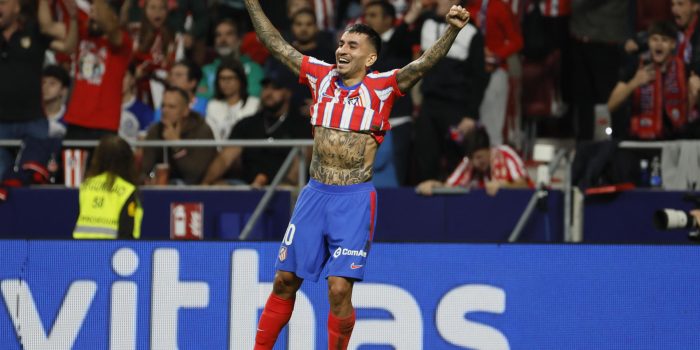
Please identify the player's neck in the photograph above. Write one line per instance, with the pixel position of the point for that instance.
(352, 81)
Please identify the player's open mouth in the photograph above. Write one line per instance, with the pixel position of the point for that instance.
(343, 61)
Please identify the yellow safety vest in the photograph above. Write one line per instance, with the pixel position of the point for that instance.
(101, 207)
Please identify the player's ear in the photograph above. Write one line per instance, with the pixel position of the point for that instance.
(371, 59)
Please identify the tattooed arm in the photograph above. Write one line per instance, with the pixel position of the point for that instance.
(414, 71)
(272, 39)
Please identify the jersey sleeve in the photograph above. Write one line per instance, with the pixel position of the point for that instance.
(312, 69)
(387, 80)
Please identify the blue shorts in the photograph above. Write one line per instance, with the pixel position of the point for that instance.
(331, 225)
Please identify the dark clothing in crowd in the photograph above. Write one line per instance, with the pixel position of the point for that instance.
(452, 89)
(262, 125)
(598, 28)
(21, 61)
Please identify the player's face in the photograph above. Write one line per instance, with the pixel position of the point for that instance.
(156, 12)
(229, 83)
(375, 18)
(481, 159)
(304, 28)
(661, 47)
(683, 11)
(225, 39)
(175, 108)
(354, 54)
(51, 89)
(9, 11)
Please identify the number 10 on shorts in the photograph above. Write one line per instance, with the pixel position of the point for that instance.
(289, 235)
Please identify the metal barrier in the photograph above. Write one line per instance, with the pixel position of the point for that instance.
(296, 144)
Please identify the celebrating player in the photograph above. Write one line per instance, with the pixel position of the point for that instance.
(333, 220)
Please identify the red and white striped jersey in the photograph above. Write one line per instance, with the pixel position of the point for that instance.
(555, 8)
(362, 107)
(506, 166)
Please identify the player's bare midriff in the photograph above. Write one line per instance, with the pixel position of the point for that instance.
(342, 157)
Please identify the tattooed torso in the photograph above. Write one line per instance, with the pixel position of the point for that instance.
(342, 157)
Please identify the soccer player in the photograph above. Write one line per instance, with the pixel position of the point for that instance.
(333, 221)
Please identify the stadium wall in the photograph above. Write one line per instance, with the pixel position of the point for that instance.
(207, 295)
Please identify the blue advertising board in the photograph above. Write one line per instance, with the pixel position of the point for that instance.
(208, 295)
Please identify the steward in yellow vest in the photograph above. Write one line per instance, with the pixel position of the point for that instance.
(108, 212)
(109, 204)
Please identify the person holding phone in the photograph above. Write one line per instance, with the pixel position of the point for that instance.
(656, 88)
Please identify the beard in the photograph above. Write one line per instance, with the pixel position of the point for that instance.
(274, 108)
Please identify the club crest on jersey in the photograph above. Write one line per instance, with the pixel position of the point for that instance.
(283, 254)
(354, 101)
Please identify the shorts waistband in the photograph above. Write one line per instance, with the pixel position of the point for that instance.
(361, 187)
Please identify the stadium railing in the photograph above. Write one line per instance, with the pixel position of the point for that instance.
(297, 145)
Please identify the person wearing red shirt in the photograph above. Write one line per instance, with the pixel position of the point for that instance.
(484, 166)
(502, 38)
(103, 55)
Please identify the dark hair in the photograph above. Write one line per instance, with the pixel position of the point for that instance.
(193, 71)
(304, 11)
(147, 34)
(387, 8)
(476, 140)
(113, 155)
(180, 91)
(228, 21)
(663, 28)
(372, 35)
(236, 67)
(57, 72)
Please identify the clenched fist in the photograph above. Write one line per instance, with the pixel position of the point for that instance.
(458, 16)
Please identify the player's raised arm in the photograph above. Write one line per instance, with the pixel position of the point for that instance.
(272, 39)
(414, 71)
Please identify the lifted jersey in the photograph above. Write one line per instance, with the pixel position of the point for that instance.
(363, 107)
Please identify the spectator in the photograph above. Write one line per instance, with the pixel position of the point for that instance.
(308, 40)
(452, 92)
(186, 75)
(685, 14)
(231, 102)
(23, 43)
(598, 32)
(502, 39)
(155, 49)
(397, 51)
(483, 166)
(103, 56)
(656, 82)
(136, 115)
(109, 203)
(227, 44)
(179, 122)
(275, 120)
(54, 87)
(175, 17)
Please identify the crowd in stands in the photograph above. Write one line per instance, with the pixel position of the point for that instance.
(194, 69)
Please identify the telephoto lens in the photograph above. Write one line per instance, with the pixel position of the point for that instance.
(670, 219)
